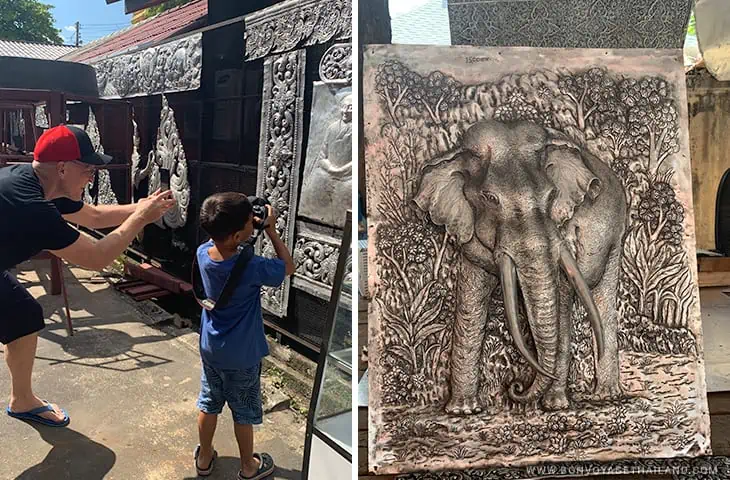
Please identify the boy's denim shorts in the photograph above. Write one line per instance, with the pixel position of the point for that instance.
(241, 389)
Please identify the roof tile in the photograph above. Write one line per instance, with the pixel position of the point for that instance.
(151, 30)
(43, 51)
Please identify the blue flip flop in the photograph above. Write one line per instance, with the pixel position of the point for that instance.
(34, 416)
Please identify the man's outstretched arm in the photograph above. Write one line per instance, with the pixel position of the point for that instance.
(97, 254)
(101, 216)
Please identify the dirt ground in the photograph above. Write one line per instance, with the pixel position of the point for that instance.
(130, 390)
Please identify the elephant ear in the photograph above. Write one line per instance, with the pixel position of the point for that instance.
(573, 181)
(441, 195)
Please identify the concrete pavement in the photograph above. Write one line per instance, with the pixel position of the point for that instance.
(130, 390)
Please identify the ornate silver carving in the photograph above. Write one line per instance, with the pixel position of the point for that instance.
(315, 255)
(136, 176)
(171, 67)
(41, 118)
(297, 24)
(336, 64)
(574, 24)
(104, 194)
(706, 468)
(169, 155)
(280, 155)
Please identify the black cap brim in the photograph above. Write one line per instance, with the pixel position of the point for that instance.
(97, 159)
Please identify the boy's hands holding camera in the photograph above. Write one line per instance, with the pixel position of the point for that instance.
(270, 223)
(279, 246)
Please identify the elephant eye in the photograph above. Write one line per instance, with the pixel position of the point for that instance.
(491, 198)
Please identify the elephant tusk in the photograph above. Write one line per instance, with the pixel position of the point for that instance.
(570, 267)
(508, 275)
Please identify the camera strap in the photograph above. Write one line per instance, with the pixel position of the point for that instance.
(244, 256)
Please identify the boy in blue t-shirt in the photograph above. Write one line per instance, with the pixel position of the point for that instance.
(232, 341)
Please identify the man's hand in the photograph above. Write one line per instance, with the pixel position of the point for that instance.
(153, 207)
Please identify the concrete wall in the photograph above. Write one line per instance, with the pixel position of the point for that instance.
(709, 133)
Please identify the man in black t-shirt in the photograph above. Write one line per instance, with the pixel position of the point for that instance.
(36, 201)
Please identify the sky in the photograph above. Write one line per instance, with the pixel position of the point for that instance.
(399, 7)
(96, 18)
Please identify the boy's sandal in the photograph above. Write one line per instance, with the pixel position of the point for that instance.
(35, 416)
(266, 467)
(204, 472)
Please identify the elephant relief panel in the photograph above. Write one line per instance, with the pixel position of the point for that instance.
(532, 258)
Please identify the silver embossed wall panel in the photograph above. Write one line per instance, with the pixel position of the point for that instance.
(327, 183)
(336, 64)
(169, 156)
(280, 156)
(705, 468)
(315, 255)
(569, 23)
(171, 67)
(297, 24)
(104, 193)
(532, 258)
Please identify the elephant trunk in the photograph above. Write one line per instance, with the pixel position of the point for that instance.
(540, 295)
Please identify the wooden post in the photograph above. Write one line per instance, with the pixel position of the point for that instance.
(373, 27)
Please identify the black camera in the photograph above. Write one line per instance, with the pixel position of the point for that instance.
(260, 211)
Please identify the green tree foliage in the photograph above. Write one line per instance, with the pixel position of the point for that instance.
(152, 11)
(28, 20)
(692, 27)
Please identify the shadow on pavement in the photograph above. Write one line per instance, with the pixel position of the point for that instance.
(73, 456)
(228, 467)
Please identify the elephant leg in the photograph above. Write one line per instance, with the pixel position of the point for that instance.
(608, 384)
(556, 397)
(475, 287)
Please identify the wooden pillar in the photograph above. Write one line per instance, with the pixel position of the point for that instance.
(373, 27)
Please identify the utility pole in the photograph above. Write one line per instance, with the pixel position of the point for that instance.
(77, 34)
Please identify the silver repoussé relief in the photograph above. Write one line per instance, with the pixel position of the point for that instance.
(41, 117)
(315, 257)
(532, 259)
(569, 24)
(104, 193)
(171, 67)
(297, 24)
(336, 64)
(705, 468)
(169, 155)
(280, 156)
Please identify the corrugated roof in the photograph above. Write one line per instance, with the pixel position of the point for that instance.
(43, 51)
(424, 25)
(152, 30)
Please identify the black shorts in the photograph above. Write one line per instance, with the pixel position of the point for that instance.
(20, 313)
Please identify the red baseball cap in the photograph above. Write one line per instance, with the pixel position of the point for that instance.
(66, 143)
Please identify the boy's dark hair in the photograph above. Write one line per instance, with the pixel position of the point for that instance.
(223, 214)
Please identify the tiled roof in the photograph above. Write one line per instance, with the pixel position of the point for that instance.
(424, 25)
(152, 30)
(44, 51)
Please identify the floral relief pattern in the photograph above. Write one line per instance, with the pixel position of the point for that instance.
(573, 24)
(280, 156)
(297, 24)
(171, 67)
(103, 194)
(708, 468)
(336, 64)
(315, 257)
